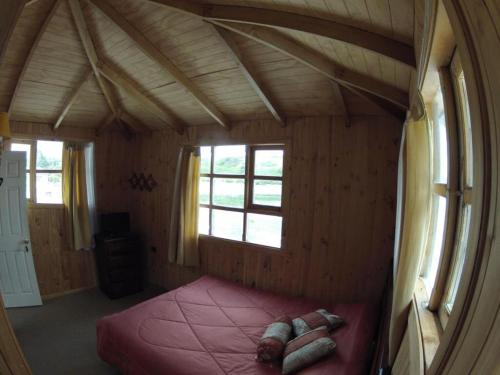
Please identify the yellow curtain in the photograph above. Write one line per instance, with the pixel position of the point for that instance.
(415, 226)
(77, 216)
(183, 240)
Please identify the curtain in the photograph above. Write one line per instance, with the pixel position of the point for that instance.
(183, 239)
(414, 223)
(75, 198)
(90, 178)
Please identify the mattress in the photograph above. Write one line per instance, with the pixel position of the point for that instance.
(212, 326)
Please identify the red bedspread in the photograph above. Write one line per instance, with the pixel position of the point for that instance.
(212, 326)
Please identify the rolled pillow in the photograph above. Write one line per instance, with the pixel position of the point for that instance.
(273, 341)
(307, 349)
(316, 319)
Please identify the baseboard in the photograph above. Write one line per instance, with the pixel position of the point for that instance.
(46, 297)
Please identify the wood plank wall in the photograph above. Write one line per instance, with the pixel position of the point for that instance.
(340, 224)
(59, 270)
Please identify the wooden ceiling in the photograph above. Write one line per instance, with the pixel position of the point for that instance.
(168, 63)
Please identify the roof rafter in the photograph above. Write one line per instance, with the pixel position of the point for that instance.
(88, 45)
(250, 75)
(108, 120)
(30, 2)
(381, 103)
(156, 55)
(126, 128)
(31, 53)
(72, 98)
(91, 53)
(10, 12)
(316, 61)
(295, 21)
(339, 102)
(133, 90)
(133, 122)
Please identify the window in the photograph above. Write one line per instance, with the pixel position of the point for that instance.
(43, 170)
(466, 185)
(452, 177)
(25, 147)
(241, 191)
(439, 204)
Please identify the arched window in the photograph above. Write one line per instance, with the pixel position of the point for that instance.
(452, 182)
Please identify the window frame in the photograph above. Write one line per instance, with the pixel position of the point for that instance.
(448, 190)
(33, 171)
(249, 207)
(31, 161)
(464, 190)
(456, 191)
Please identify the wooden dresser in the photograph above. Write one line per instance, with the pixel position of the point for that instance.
(119, 264)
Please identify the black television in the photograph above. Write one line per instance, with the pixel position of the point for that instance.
(114, 224)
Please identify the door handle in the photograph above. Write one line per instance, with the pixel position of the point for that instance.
(26, 242)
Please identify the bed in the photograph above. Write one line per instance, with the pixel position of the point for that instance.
(212, 326)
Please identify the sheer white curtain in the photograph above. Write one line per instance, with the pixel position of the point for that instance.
(90, 178)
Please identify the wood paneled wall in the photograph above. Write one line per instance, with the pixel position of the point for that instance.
(340, 224)
(58, 269)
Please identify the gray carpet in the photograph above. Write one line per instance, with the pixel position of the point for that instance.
(59, 337)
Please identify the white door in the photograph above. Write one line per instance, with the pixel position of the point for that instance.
(18, 282)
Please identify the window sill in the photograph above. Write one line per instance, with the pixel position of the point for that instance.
(253, 246)
(429, 324)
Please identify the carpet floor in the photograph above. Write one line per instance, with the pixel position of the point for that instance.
(60, 336)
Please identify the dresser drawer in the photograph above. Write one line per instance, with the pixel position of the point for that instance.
(121, 247)
(121, 260)
(120, 264)
(123, 274)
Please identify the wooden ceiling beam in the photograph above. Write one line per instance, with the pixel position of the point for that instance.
(276, 40)
(31, 53)
(30, 2)
(10, 11)
(126, 129)
(91, 53)
(250, 75)
(72, 98)
(132, 89)
(339, 103)
(156, 55)
(295, 21)
(384, 105)
(108, 120)
(134, 123)
(186, 7)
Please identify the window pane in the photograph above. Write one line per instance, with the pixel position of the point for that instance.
(49, 155)
(440, 142)
(436, 243)
(204, 190)
(227, 224)
(460, 257)
(206, 159)
(203, 220)
(229, 192)
(267, 192)
(23, 147)
(467, 131)
(268, 163)
(28, 186)
(229, 160)
(49, 187)
(264, 229)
